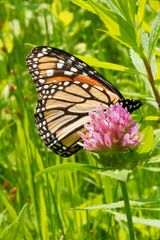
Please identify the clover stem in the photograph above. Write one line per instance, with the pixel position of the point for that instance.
(128, 210)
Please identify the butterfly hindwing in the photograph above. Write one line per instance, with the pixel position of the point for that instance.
(63, 115)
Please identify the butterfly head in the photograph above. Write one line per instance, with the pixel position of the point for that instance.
(131, 104)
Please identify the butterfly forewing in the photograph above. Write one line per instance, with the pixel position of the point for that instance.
(68, 89)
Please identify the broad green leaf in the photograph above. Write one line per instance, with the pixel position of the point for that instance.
(121, 175)
(155, 159)
(147, 140)
(146, 27)
(118, 27)
(83, 4)
(109, 18)
(144, 41)
(68, 167)
(112, 66)
(132, 8)
(108, 21)
(136, 220)
(157, 52)
(137, 62)
(153, 64)
(155, 5)
(127, 8)
(154, 35)
(120, 204)
(113, 6)
(151, 169)
(141, 11)
(139, 65)
(15, 230)
(124, 8)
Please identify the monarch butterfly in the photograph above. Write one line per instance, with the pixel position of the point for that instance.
(68, 89)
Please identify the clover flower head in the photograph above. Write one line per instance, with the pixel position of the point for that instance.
(111, 128)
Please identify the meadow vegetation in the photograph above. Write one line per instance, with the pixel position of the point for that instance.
(42, 195)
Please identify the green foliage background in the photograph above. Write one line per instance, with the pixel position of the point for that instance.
(44, 196)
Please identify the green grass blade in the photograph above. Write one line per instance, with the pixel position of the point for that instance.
(154, 35)
(15, 230)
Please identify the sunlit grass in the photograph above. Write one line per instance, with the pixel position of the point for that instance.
(44, 206)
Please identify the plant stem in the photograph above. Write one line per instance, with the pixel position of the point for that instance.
(151, 80)
(128, 210)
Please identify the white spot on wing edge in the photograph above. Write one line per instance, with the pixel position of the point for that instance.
(72, 58)
(41, 81)
(40, 54)
(44, 49)
(36, 72)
